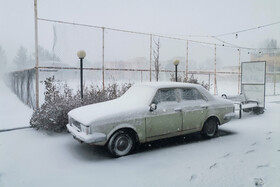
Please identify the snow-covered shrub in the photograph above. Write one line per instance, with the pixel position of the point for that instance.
(60, 99)
(190, 80)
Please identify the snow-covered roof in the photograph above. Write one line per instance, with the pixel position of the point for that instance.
(168, 84)
(158, 85)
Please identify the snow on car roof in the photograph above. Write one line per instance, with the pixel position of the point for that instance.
(167, 84)
(158, 85)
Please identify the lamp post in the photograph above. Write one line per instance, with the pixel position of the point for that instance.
(81, 54)
(176, 63)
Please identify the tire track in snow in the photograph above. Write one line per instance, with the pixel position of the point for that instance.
(253, 143)
(269, 137)
(213, 166)
(193, 177)
(250, 151)
(226, 155)
(263, 166)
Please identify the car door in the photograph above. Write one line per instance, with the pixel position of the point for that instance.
(194, 109)
(167, 118)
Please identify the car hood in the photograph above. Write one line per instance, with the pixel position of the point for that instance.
(113, 110)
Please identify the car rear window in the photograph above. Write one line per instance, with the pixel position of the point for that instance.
(191, 94)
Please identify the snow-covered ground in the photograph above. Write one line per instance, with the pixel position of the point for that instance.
(246, 152)
(13, 113)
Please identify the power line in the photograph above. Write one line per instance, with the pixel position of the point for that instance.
(240, 47)
(236, 46)
(229, 45)
(245, 30)
(229, 33)
(216, 38)
(127, 31)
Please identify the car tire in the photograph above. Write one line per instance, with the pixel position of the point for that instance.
(210, 128)
(121, 143)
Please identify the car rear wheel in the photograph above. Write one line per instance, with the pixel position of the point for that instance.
(210, 128)
(121, 143)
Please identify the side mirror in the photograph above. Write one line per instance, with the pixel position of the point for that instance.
(153, 107)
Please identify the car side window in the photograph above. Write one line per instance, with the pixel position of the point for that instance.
(165, 95)
(191, 94)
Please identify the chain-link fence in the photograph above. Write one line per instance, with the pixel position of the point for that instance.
(22, 84)
(122, 56)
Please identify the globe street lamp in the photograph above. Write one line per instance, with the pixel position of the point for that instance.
(176, 63)
(81, 54)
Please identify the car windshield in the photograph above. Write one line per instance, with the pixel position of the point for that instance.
(139, 95)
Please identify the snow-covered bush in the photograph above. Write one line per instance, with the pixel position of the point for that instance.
(190, 80)
(60, 99)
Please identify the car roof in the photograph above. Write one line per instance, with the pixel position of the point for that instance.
(168, 84)
(159, 85)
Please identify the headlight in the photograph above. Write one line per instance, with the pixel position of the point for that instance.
(80, 127)
(75, 123)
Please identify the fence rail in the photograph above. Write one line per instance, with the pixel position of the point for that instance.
(23, 82)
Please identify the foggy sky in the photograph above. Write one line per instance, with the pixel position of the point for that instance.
(176, 18)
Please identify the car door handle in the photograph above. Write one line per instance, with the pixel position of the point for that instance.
(204, 106)
(178, 110)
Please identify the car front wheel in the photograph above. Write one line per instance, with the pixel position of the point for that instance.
(121, 143)
(210, 128)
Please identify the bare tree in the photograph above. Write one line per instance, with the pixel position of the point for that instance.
(22, 60)
(156, 57)
(46, 55)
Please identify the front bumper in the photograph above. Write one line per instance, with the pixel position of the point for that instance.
(92, 138)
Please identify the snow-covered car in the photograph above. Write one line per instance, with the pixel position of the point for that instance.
(148, 112)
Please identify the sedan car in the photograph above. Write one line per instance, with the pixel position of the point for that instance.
(148, 112)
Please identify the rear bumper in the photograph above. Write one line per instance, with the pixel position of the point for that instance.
(92, 138)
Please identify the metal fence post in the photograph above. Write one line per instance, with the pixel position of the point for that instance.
(274, 79)
(239, 75)
(209, 82)
(103, 62)
(215, 73)
(187, 60)
(151, 51)
(36, 54)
